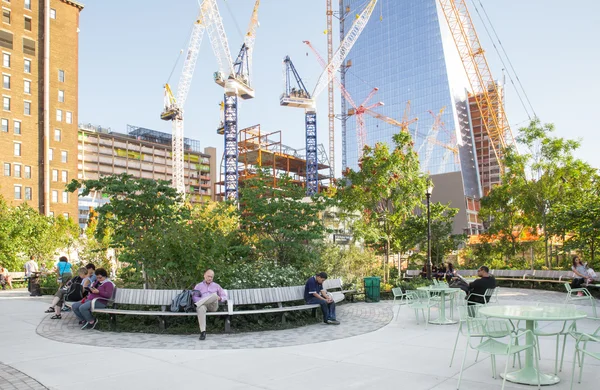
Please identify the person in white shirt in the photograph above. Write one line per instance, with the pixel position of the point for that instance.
(31, 267)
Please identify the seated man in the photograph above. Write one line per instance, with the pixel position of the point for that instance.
(5, 278)
(207, 296)
(314, 293)
(479, 286)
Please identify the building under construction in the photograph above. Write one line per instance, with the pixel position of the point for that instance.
(259, 149)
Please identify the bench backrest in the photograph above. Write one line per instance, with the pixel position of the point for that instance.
(467, 272)
(413, 272)
(332, 284)
(257, 296)
(134, 296)
(17, 275)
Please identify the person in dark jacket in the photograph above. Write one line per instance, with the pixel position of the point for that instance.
(314, 293)
(479, 286)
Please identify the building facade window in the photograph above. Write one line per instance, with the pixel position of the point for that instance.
(64, 176)
(61, 75)
(6, 169)
(59, 115)
(17, 149)
(64, 156)
(6, 60)
(27, 87)
(57, 135)
(54, 196)
(27, 66)
(6, 81)
(55, 175)
(27, 108)
(27, 172)
(28, 193)
(17, 168)
(61, 96)
(17, 192)
(27, 23)
(66, 215)
(69, 117)
(17, 127)
(4, 125)
(27, 4)
(52, 13)
(65, 197)
(6, 103)
(6, 16)
(50, 154)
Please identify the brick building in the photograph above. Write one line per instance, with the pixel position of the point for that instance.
(38, 132)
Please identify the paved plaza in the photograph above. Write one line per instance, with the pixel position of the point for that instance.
(373, 348)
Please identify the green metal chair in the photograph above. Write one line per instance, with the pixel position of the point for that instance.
(487, 295)
(572, 296)
(487, 331)
(401, 296)
(421, 300)
(546, 330)
(581, 343)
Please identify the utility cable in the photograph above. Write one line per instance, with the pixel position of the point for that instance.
(497, 38)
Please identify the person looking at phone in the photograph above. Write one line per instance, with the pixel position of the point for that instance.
(103, 290)
(90, 277)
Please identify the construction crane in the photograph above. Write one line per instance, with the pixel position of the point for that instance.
(330, 101)
(173, 107)
(484, 90)
(432, 136)
(309, 103)
(235, 78)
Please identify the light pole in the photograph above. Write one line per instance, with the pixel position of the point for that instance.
(428, 194)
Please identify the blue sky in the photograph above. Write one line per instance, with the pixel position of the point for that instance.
(128, 48)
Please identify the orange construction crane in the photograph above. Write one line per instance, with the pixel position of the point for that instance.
(484, 90)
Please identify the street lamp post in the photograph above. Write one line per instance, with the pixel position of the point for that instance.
(428, 194)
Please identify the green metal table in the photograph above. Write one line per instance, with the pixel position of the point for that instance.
(441, 320)
(530, 314)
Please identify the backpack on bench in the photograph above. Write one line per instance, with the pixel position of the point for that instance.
(183, 302)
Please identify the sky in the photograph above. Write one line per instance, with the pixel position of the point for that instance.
(128, 49)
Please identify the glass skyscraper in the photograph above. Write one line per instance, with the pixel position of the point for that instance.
(407, 52)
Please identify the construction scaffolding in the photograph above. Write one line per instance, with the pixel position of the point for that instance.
(265, 150)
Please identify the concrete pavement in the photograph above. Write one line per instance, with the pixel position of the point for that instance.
(398, 354)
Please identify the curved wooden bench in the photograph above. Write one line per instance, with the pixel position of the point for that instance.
(237, 300)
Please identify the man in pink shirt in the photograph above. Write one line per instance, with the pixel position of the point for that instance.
(207, 296)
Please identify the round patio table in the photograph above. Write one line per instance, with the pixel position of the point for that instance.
(530, 314)
(441, 320)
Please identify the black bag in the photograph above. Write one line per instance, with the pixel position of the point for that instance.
(183, 302)
(74, 290)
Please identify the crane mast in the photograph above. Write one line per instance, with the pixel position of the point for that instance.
(234, 77)
(173, 110)
(330, 101)
(309, 104)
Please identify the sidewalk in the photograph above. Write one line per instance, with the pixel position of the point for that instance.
(400, 354)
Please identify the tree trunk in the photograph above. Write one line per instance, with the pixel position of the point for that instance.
(545, 240)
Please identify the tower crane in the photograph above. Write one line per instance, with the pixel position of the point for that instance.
(309, 102)
(484, 89)
(173, 107)
(235, 78)
(432, 136)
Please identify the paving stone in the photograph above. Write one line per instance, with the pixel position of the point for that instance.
(355, 318)
(11, 378)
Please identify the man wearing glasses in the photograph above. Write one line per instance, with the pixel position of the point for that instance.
(479, 286)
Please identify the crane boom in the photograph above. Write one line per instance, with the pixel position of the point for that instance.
(218, 38)
(173, 110)
(485, 90)
(250, 37)
(342, 52)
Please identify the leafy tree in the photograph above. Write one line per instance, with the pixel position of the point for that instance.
(281, 223)
(139, 211)
(386, 190)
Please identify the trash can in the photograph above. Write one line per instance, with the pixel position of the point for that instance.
(372, 288)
